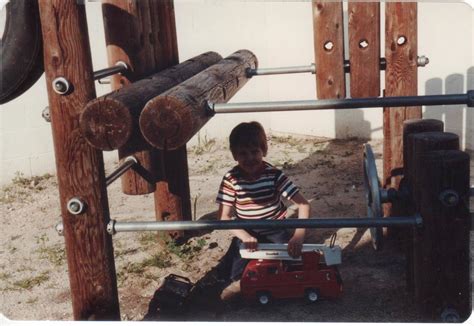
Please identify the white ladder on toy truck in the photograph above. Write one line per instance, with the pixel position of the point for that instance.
(332, 255)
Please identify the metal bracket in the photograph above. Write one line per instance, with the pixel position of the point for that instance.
(76, 206)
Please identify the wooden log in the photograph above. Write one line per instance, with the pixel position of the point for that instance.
(110, 121)
(442, 257)
(364, 48)
(328, 35)
(401, 76)
(80, 168)
(406, 235)
(168, 121)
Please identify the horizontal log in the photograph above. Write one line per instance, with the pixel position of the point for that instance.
(111, 121)
(170, 120)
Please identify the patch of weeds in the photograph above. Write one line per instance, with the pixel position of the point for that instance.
(4, 276)
(21, 187)
(56, 255)
(29, 283)
(159, 260)
(209, 167)
(289, 140)
(147, 239)
(119, 253)
(187, 250)
(204, 145)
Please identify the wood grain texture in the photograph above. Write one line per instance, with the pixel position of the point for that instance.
(406, 235)
(110, 121)
(441, 255)
(400, 79)
(329, 49)
(168, 121)
(80, 168)
(364, 48)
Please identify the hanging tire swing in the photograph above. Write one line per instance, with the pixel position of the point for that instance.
(21, 49)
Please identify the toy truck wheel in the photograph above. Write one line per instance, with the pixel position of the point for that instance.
(312, 295)
(263, 298)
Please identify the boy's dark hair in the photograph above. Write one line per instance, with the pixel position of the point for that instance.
(248, 134)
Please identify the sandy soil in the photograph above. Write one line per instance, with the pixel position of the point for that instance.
(33, 271)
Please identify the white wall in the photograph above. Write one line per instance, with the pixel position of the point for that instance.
(280, 34)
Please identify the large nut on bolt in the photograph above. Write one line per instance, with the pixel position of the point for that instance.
(61, 85)
(449, 198)
(76, 206)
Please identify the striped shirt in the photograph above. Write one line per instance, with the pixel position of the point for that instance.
(256, 199)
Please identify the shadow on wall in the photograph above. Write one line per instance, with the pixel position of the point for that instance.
(452, 115)
(351, 124)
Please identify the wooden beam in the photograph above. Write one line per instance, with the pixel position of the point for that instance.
(168, 121)
(328, 34)
(110, 121)
(364, 48)
(80, 168)
(401, 77)
(441, 256)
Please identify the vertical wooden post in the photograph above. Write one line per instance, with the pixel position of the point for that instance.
(80, 168)
(406, 235)
(400, 79)
(442, 260)
(364, 48)
(149, 44)
(328, 31)
(127, 29)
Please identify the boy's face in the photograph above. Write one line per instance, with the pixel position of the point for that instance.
(250, 159)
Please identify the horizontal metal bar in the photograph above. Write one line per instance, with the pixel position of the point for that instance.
(281, 70)
(354, 103)
(118, 68)
(115, 226)
(421, 62)
(121, 169)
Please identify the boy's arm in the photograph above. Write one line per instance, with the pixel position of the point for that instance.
(296, 242)
(225, 214)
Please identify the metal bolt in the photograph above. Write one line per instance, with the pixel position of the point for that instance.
(61, 85)
(60, 228)
(449, 198)
(422, 61)
(76, 206)
(46, 114)
(110, 227)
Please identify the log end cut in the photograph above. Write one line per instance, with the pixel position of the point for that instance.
(106, 124)
(166, 123)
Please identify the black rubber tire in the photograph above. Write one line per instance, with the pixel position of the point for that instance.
(21, 49)
(264, 298)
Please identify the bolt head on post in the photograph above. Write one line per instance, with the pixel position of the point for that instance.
(61, 85)
(76, 206)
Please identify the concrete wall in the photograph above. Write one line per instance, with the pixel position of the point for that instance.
(280, 34)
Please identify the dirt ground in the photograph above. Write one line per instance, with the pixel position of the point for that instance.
(34, 280)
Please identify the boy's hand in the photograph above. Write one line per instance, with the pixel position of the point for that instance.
(250, 243)
(295, 245)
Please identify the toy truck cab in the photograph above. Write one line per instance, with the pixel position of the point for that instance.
(266, 279)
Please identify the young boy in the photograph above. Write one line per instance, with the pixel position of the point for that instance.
(254, 189)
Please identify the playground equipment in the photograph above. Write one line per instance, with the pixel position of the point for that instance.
(421, 153)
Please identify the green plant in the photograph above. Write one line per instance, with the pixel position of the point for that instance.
(203, 145)
(56, 254)
(187, 250)
(147, 239)
(29, 283)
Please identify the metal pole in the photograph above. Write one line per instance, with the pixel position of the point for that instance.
(124, 167)
(119, 67)
(355, 103)
(282, 70)
(114, 227)
(421, 62)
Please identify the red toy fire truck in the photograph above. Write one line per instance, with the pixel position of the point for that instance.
(312, 276)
